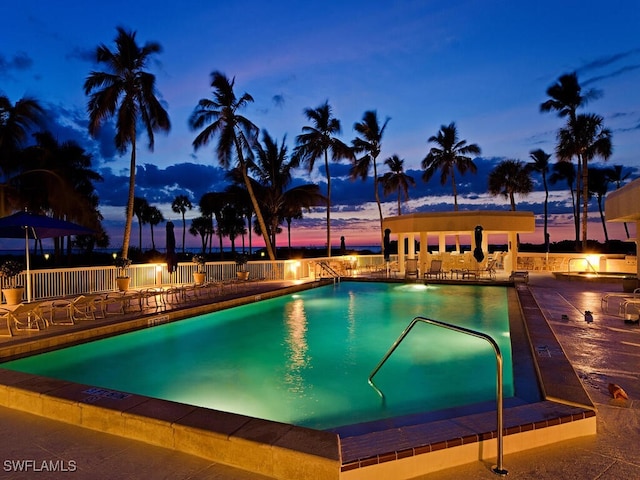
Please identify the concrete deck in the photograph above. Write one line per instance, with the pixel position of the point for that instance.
(604, 351)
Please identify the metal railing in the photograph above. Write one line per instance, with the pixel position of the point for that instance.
(585, 260)
(498, 469)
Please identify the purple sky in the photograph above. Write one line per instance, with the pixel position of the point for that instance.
(485, 65)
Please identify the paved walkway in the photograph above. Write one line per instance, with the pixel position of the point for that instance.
(604, 351)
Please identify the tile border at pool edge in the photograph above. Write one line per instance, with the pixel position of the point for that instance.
(270, 448)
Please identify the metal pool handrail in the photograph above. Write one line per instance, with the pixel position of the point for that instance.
(586, 260)
(498, 469)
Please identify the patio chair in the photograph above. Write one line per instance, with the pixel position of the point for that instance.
(411, 268)
(435, 270)
(26, 316)
(80, 308)
(619, 296)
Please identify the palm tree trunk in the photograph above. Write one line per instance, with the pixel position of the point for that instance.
(585, 202)
(254, 201)
(546, 213)
(377, 195)
(399, 203)
(184, 230)
(132, 190)
(326, 169)
(604, 223)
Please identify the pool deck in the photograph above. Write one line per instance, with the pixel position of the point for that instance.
(605, 351)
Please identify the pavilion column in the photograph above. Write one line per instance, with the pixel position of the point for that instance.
(401, 254)
(442, 242)
(412, 245)
(424, 251)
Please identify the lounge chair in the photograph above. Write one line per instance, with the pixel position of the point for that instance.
(435, 270)
(619, 296)
(26, 316)
(80, 308)
(411, 268)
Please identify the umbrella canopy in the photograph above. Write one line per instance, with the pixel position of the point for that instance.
(172, 258)
(28, 225)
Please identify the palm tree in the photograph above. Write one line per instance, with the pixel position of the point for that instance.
(201, 226)
(598, 186)
(316, 141)
(180, 205)
(565, 97)
(140, 209)
(508, 178)
(617, 177)
(540, 164)
(231, 225)
(396, 180)
(16, 120)
(126, 91)
(566, 171)
(234, 132)
(368, 142)
(154, 217)
(585, 138)
(272, 170)
(211, 205)
(451, 154)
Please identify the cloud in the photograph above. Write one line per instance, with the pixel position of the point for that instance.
(20, 62)
(606, 60)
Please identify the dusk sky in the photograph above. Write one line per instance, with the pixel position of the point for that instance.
(485, 65)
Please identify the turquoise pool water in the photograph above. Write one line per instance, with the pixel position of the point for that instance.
(305, 358)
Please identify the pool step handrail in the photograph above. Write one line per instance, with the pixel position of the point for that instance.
(330, 271)
(586, 260)
(499, 468)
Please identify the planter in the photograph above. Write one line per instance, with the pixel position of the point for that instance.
(243, 275)
(198, 277)
(629, 284)
(13, 296)
(123, 283)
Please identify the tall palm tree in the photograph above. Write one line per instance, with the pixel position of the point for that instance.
(16, 120)
(180, 205)
(140, 210)
(154, 217)
(565, 97)
(369, 141)
(234, 131)
(231, 225)
(598, 186)
(272, 169)
(316, 141)
(617, 177)
(508, 178)
(540, 164)
(211, 205)
(125, 90)
(201, 226)
(396, 180)
(585, 138)
(566, 171)
(449, 155)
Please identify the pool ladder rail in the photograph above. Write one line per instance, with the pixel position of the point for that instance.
(329, 271)
(499, 468)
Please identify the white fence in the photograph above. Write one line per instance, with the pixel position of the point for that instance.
(61, 282)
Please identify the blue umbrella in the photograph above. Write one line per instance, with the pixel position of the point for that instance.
(31, 226)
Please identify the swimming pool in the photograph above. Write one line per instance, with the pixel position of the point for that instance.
(305, 358)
